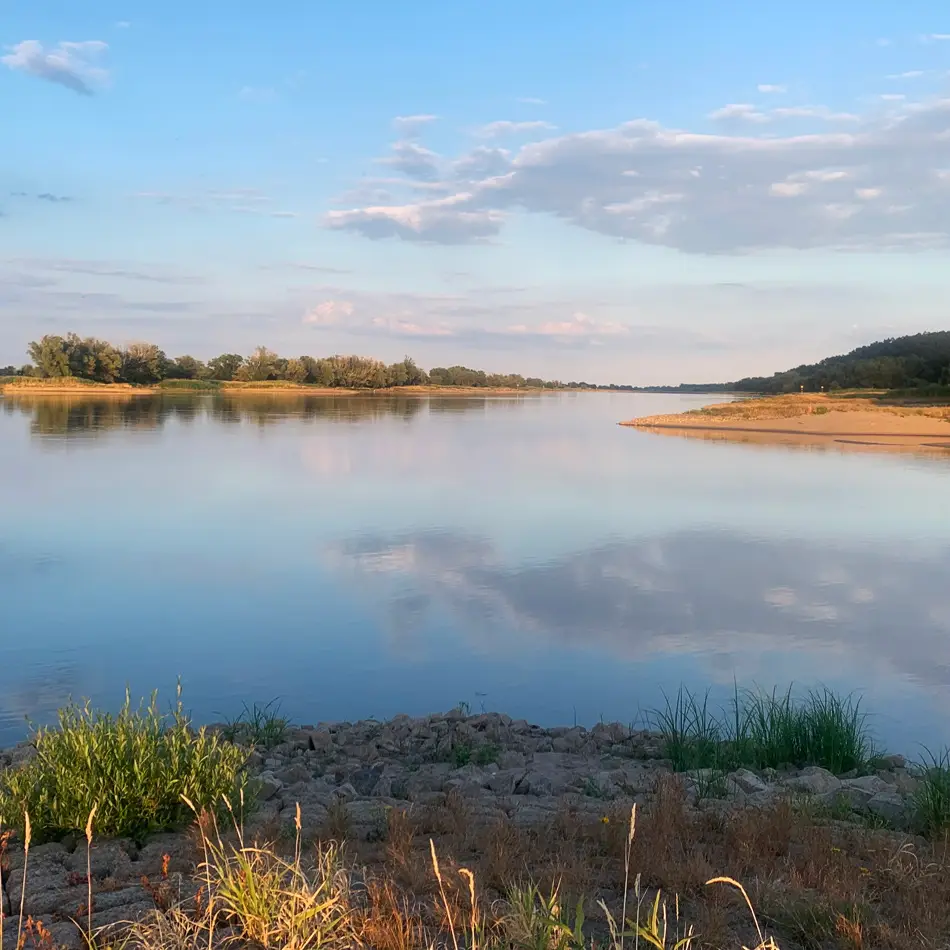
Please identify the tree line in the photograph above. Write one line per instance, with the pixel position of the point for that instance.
(917, 362)
(55, 357)
(908, 362)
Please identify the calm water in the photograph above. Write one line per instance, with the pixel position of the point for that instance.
(362, 557)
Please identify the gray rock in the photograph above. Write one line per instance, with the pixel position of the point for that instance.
(535, 783)
(293, 774)
(891, 807)
(748, 782)
(814, 781)
(267, 786)
(504, 781)
(859, 791)
(364, 780)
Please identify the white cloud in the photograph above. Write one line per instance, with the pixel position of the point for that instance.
(580, 325)
(413, 160)
(440, 221)
(532, 101)
(939, 37)
(123, 24)
(328, 313)
(69, 64)
(402, 327)
(893, 97)
(910, 74)
(411, 126)
(771, 88)
(738, 111)
(704, 193)
(496, 129)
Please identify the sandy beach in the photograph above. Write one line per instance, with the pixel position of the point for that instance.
(845, 422)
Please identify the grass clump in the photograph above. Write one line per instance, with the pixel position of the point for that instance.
(932, 799)
(258, 725)
(134, 769)
(765, 730)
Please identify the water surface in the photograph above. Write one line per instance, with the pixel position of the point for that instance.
(362, 557)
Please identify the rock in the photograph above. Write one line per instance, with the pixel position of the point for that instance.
(535, 783)
(364, 780)
(814, 781)
(511, 760)
(859, 791)
(267, 786)
(748, 782)
(293, 774)
(504, 781)
(890, 806)
(892, 762)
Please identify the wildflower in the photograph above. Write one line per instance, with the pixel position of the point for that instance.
(605, 820)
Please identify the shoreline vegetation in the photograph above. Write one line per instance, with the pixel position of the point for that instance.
(701, 829)
(859, 420)
(89, 360)
(70, 386)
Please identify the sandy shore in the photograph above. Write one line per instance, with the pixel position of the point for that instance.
(841, 421)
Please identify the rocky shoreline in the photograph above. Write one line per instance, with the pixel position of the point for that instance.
(346, 778)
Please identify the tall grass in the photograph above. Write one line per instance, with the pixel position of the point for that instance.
(132, 769)
(932, 798)
(258, 725)
(765, 730)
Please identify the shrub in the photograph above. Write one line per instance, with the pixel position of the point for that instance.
(134, 768)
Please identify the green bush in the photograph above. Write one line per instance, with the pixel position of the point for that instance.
(135, 768)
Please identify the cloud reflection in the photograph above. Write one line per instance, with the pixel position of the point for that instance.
(694, 592)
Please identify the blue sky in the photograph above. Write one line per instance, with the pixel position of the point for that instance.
(611, 191)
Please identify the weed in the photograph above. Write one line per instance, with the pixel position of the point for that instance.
(765, 730)
(932, 799)
(132, 768)
(258, 726)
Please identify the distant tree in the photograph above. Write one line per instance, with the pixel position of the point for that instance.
(225, 367)
(8, 371)
(144, 363)
(295, 371)
(259, 366)
(50, 356)
(186, 367)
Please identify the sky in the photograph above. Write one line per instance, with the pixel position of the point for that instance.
(616, 192)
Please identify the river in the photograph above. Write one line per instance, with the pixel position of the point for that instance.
(364, 556)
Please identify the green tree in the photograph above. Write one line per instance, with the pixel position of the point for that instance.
(50, 356)
(259, 366)
(186, 367)
(143, 364)
(225, 367)
(296, 371)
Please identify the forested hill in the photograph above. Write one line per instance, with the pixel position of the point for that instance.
(904, 362)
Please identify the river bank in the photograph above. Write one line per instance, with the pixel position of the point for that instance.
(515, 802)
(845, 421)
(75, 387)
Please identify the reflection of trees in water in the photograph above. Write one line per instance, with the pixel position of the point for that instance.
(88, 417)
(266, 408)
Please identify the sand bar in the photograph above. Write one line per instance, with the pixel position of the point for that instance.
(842, 421)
